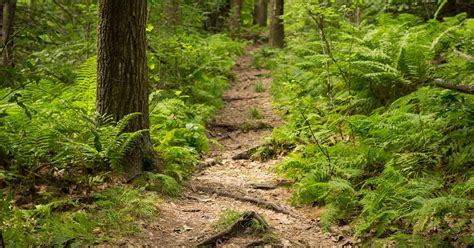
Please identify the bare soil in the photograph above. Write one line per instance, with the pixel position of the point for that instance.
(191, 218)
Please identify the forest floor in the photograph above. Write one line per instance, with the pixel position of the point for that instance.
(226, 184)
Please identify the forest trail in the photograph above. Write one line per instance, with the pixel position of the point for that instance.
(190, 219)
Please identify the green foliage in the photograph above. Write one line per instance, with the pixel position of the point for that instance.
(255, 113)
(54, 144)
(70, 223)
(381, 151)
(227, 218)
(259, 87)
(195, 65)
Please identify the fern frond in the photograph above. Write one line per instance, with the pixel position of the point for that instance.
(122, 124)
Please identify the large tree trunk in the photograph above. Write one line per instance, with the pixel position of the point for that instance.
(262, 13)
(235, 20)
(277, 31)
(122, 83)
(8, 15)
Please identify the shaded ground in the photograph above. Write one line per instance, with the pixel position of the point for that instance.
(186, 221)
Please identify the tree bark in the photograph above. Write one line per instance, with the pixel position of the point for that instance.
(122, 81)
(172, 13)
(236, 10)
(463, 88)
(262, 12)
(9, 7)
(277, 31)
(255, 13)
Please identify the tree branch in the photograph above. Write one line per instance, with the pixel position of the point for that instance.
(464, 56)
(468, 89)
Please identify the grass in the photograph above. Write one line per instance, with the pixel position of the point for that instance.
(259, 87)
(226, 218)
(255, 113)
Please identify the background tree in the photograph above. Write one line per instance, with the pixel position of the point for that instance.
(255, 13)
(215, 14)
(262, 13)
(8, 15)
(122, 86)
(235, 20)
(277, 31)
(172, 13)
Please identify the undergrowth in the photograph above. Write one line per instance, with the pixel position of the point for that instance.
(54, 145)
(371, 140)
(74, 222)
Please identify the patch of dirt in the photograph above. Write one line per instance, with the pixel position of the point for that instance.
(186, 221)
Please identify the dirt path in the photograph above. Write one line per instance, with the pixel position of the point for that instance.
(186, 221)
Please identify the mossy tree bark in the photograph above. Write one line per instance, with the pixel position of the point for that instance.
(122, 81)
(277, 31)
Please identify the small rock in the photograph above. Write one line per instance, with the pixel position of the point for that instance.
(182, 229)
(337, 238)
(286, 243)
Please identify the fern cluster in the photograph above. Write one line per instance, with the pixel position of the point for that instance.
(383, 151)
(66, 222)
(53, 143)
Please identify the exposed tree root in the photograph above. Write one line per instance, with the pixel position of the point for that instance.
(245, 154)
(242, 126)
(238, 227)
(257, 243)
(207, 164)
(229, 99)
(244, 198)
(270, 185)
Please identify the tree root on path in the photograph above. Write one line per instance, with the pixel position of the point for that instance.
(229, 99)
(242, 126)
(270, 184)
(245, 154)
(244, 198)
(239, 227)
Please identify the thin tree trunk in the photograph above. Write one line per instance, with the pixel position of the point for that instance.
(277, 31)
(9, 7)
(172, 13)
(32, 9)
(262, 12)
(122, 82)
(236, 10)
(255, 13)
